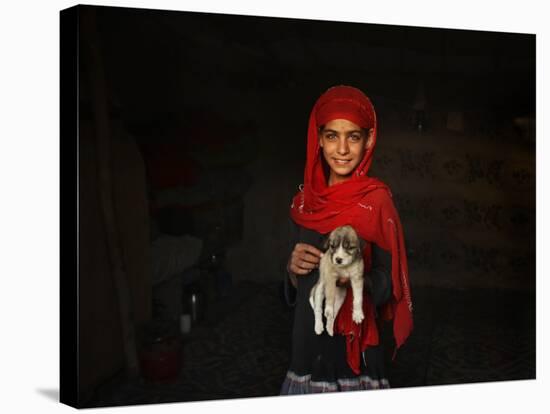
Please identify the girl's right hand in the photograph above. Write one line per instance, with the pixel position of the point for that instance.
(304, 258)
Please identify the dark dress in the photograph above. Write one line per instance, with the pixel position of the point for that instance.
(318, 362)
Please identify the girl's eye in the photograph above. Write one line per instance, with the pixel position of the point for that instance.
(355, 138)
(331, 136)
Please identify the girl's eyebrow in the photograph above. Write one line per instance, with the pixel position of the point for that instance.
(336, 132)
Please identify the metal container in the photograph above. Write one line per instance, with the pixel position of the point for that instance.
(194, 302)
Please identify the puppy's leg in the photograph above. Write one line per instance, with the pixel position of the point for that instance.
(357, 288)
(312, 296)
(339, 296)
(316, 299)
(330, 296)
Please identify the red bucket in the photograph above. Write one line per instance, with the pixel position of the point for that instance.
(160, 353)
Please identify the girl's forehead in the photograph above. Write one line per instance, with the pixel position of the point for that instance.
(342, 125)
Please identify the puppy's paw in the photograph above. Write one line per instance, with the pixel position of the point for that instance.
(330, 328)
(357, 315)
(329, 312)
(319, 327)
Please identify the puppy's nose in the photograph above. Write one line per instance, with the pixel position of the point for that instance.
(339, 260)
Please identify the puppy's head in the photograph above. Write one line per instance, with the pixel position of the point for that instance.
(344, 246)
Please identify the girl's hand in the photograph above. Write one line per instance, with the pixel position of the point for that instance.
(303, 259)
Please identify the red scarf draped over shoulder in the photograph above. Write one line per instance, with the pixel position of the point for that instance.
(366, 204)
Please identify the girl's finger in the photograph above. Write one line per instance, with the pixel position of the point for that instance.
(308, 257)
(306, 265)
(308, 248)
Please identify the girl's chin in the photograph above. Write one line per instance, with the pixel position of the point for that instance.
(342, 169)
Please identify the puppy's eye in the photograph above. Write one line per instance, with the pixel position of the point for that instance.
(352, 247)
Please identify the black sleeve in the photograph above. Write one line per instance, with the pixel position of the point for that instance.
(380, 275)
(290, 290)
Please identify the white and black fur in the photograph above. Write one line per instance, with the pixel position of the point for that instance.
(343, 257)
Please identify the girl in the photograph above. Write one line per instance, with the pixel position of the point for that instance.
(338, 191)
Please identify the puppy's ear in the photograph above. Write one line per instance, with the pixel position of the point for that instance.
(326, 243)
(362, 244)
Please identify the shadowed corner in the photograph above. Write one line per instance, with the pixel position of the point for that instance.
(52, 394)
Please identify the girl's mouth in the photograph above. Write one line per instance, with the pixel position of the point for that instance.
(341, 162)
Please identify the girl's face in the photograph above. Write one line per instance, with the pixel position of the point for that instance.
(344, 144)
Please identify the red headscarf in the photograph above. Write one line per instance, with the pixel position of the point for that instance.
(363, 202)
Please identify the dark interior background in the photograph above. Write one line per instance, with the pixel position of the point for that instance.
(208, 115)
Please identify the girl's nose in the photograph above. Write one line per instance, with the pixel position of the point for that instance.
(343, 147)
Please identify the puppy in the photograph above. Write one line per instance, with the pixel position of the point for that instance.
(343, 257)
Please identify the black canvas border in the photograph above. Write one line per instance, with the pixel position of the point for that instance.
(68, 167)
